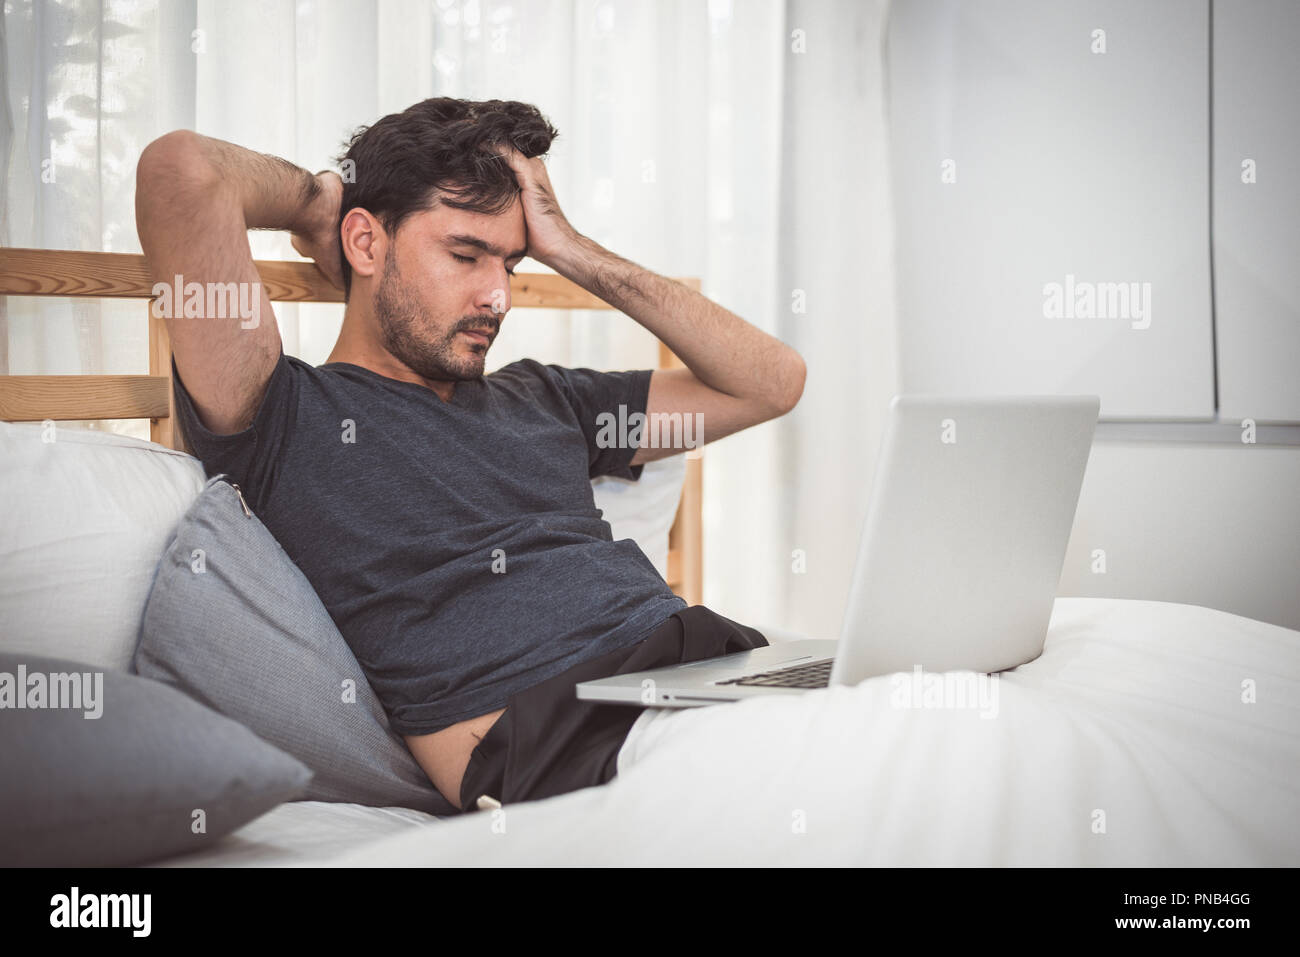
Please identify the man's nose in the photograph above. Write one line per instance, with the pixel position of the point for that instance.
(496, 297)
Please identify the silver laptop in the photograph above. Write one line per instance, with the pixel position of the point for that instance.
(958, 563)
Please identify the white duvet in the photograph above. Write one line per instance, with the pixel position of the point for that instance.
(1147, 734)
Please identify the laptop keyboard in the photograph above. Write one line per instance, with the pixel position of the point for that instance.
(815, 675)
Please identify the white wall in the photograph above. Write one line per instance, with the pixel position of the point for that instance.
(1257, 209)
(1070, 160)
(1051, 181)
(1212, 525)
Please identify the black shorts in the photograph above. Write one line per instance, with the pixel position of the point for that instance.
(548, 742)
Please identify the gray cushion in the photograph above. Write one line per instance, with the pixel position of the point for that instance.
(248, 636)
(123, 788)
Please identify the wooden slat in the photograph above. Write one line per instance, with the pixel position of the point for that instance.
(685, 538)
(541, 290)
(63, 272)
(34, 398)
(674, 572)
(687, 535)
(163, 429)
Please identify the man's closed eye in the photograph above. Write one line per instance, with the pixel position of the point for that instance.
(471, 259)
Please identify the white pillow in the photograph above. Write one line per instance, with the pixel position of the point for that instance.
(85, 517)
(644, 510)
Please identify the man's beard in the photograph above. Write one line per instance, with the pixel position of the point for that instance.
(403, 332)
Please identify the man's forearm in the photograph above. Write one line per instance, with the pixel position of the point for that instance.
(271, 192)
(723, 351)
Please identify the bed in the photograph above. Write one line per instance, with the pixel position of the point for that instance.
(1145, 734)
(1126, 744)
(1130, 742)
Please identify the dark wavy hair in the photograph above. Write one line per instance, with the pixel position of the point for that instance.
(438, 150)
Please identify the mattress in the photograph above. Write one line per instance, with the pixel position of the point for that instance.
(303, 834)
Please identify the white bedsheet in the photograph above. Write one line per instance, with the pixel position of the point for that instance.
(303, 833)
(1127, 743)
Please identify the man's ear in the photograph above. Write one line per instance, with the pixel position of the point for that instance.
(363, 241)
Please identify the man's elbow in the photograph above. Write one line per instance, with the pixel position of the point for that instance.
(168, 155)
(794, 373)
(172, 163)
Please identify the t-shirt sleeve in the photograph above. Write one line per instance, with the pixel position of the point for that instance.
(604, 403)
(250, 458)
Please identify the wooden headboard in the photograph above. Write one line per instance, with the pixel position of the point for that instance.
(54, 272)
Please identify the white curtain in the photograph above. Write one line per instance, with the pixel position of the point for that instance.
(740, 142)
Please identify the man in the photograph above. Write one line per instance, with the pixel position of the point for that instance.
(445, 517)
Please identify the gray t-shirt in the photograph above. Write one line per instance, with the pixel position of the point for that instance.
(457, 544)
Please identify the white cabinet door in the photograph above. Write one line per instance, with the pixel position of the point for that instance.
(1256, 107)
(1051, 186)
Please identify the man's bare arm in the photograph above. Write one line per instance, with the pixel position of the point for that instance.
(736, 375)
(196, 198)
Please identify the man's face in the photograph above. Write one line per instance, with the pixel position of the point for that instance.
(445, 288)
